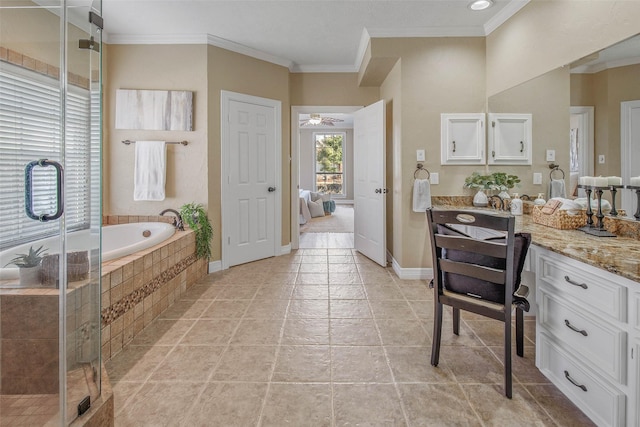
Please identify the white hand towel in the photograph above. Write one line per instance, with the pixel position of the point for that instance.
(150, 170)
(421, 195)
(556, 188)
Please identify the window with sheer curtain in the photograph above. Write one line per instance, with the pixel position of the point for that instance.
(30, 129)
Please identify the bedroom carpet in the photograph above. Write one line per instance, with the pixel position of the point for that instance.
(341, 221)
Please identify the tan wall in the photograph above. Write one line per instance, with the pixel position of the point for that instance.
(242, 74)
(175, 67)
(35, 32)
(547, 34)
(437, 75)
(307, 157)
(605, 91)
(330, 89)
(547, 99)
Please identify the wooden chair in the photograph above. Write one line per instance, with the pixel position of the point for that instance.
(479, 276)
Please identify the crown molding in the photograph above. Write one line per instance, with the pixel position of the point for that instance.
(323, 69)
(471, 31)
(504, 15)
(596, 68)
(198, 39)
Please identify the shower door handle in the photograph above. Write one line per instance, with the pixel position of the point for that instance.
(28, 190)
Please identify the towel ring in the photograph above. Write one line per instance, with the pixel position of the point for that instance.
(421, 168)
(555, 168)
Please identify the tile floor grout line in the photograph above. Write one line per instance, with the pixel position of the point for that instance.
(275, 361)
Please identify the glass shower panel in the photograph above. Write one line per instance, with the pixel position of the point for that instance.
(50, 209)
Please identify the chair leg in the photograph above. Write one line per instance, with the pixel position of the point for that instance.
(437, 333)
(508, 381)
(519, 332)
(456, 321)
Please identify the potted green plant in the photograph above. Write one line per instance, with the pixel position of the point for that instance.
(194, 215)
(29, 265)
(504, 182)
(480, 183)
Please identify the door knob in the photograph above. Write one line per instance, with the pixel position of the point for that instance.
(272, 189)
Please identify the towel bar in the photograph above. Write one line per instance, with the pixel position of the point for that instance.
(128, 142)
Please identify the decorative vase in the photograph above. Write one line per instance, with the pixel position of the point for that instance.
(480, 199)
(504, 195)
(29, 276)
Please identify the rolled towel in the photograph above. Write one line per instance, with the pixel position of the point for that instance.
(556, 188)
(421, 195)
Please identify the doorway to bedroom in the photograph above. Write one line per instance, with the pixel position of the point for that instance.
(325, 177)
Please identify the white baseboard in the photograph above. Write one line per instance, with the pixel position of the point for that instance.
(411, 273)
(215, 266)
(286, 249)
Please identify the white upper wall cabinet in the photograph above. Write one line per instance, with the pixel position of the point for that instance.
(462, 139)
(510, 139)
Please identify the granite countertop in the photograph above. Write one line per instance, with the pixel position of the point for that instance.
(618, 255)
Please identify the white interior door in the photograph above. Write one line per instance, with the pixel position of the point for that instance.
(582, 119)
(630, 150)
(250, 180)
(369, 171)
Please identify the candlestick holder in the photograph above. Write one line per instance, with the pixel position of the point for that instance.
(614, 190)
(636, 188)
(598, 229)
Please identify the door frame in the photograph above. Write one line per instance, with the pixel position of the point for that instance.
(295, 159)
(626, 201)
(225, 98)
(586, 155)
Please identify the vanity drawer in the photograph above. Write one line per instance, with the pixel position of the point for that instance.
(591, 339)
(595, 288)
(602, 402)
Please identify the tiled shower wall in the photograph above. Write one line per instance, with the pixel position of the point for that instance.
(138, 287)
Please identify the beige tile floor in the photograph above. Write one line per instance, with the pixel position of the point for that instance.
(323, 337)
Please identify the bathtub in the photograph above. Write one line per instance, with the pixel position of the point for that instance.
(124, 239)
(117, 241)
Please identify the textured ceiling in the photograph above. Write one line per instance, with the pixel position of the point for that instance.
(303, 35)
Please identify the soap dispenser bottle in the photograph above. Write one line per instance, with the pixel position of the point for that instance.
(539, 201)
(516, 205)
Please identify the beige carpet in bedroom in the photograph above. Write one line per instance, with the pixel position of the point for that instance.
(341, 221)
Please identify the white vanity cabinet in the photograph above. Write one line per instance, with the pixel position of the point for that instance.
(462, 139)
(510, 139)
(588, 337)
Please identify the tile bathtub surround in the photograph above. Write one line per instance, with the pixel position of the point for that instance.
(323, 337)
(137, 288)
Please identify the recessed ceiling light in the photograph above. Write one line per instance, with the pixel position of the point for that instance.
(480, 4)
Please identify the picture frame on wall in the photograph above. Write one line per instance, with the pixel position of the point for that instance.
(154, 109)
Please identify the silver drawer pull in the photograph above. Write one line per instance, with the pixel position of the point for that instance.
(571, 282)
(572, 381)
(573, 328)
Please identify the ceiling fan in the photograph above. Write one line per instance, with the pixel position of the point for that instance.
(316, 119)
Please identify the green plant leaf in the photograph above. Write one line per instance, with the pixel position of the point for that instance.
(196, 218)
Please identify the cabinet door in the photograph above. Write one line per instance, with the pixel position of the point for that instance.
(510, 139)
(462, 139)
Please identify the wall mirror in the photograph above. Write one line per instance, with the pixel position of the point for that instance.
(584, 103)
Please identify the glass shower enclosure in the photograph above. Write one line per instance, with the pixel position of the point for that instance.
(50, 210)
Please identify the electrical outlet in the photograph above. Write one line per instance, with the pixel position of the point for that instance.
(420, 155)
(434, 178)
(601, 159)
(551, 155)
(537, 178)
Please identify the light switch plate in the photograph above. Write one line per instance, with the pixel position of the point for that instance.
(551, 155)
(434, 178)
(420, 155)
(537, 178)
(601, 159)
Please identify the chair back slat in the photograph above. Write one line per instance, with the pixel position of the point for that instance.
(487, 219)
(461, 243)
(479, 272)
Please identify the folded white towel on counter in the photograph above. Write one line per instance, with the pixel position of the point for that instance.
(421, 195)
(556, 188)
(149, 170)
(582, 201)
